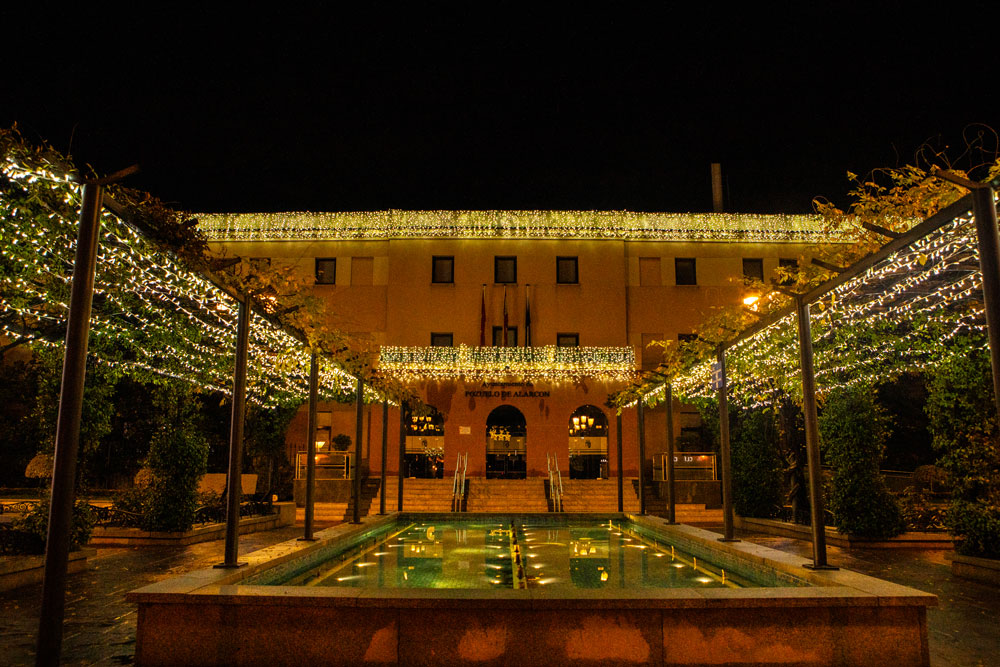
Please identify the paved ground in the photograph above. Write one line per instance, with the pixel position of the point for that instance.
(100, 626)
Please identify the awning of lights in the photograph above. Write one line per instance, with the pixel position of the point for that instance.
(899, 312)
(151, 316)
(620, 225)
(546, 363)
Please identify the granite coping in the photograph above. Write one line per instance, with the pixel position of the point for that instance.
(834, 588)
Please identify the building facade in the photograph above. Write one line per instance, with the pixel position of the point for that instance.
(516, 326)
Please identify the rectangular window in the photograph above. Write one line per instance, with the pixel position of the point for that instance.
(442, 340)
(362, 270)
(442, 269)
(789, 265)
(505, 270)
(566, 271)
(684, 271)
(649, 272)
(753, 269)
(568, 340)
(498, 336)
(326, 271)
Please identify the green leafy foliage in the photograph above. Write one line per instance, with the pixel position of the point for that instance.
(854, 430)
(177, 458)
(757, 486)
(36, 522)
(963, 424)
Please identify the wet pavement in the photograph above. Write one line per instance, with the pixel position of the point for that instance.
(100, 626)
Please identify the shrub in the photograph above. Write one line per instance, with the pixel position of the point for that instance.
(756, 466)
(920, 515)
(341, 442)
(963, 424)
(854, 431)
(36, 522)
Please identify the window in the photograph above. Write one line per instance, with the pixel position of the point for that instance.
(362, 270)
(649, 272)
(326, 271)
(498, 336)
(753, 269)
(568, 340)
(442, 269)
(684, 271)
(789, 265)
(566, 271)
(442, 340)
(505, 270)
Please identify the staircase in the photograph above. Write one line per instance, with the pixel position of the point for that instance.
(507, 495)
(683, 512)
(597, 495)
(338, 512)
(419, 495)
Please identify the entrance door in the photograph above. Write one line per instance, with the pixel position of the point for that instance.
(588, 443)
(506, 444)
(425, 446)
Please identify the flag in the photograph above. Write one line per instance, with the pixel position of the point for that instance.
(527, 315)
(505, 316)
(482, 321)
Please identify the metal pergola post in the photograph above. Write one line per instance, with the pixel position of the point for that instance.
(727, 473)
(640, 416)
(311, 449)
(385, 452)
(359, 423)
(812, 435)
(985, 213)
(234, 487)
(621, 473)
(668, 472)
(74, 375)
(402, 455)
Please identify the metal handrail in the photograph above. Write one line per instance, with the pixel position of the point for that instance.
(555, 481)
(458, 485)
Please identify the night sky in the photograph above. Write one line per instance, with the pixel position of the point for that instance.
(615, 106)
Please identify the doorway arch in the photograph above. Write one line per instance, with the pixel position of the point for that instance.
(588, 443)
(506, 444)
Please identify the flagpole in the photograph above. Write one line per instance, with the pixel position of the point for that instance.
(527, 315)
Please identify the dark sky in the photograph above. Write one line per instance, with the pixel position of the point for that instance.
(620, 106)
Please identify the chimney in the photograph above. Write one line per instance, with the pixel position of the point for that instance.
(717, 187)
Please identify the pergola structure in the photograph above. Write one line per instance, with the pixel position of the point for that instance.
(924, 287)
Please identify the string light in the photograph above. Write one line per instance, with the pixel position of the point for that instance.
(626, 225)
(548, 363)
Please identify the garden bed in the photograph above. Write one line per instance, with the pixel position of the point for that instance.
(17, 571)
(986, 570)
(284, 515)
(837, 539)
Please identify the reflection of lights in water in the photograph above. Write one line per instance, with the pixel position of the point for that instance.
(678, 565)
(355, 576)
(382, 553)
(532, 555)
(405, 575)
(604, 575)
(537, 567)
(548, 580)
(493, 546)
(395, 546)
(703, 580)
(659, 555)
(494, 566)
(363, 564)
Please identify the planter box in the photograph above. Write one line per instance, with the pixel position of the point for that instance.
(134, 537)
(837, 539)
(18, 571)
(986, 570)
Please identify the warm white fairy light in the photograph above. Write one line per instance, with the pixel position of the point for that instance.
(898, 315)
(625, 225)
(546, 363)
(152, 316)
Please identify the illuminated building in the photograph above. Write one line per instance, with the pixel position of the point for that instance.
(582, 294)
